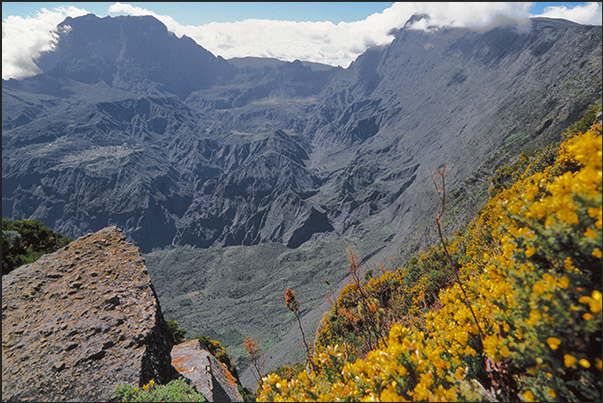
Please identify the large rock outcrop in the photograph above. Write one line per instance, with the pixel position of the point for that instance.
(80, 321)
(209, 376)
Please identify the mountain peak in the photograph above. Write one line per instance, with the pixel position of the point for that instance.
(416, 18)
(125, 51)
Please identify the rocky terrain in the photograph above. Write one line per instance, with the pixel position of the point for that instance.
(118, 132)
(238, 180)
(78, 322)
(210, 377)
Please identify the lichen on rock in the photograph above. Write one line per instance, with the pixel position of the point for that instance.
(78, 322)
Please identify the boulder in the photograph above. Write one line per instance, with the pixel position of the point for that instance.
(78, 322)
(210, 377)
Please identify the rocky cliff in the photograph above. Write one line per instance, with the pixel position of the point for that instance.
(210, 377)
(80, 321)
(129, 125)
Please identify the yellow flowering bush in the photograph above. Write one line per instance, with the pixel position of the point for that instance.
(553, 305)
(530, 265)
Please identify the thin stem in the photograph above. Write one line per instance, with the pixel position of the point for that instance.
(296, 312)
(372, 325)
(442, 194)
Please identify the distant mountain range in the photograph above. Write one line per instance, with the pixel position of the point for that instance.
(129, 125)
(259, 62)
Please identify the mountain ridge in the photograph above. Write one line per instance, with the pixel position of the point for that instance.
(300, 162)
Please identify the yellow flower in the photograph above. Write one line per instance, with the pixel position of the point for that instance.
(595, 302)
(550, 280)
(584, 363)
(553, 342)
(597, 253)
(590, 233)
(552, 393)
(528, 396)
(550, 221)
(530, 250)
(593, 212)
(570, 361)
(563, 282)
(538, 287)
(272, 378)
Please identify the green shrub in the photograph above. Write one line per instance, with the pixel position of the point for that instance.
(177, 333)
(25, 241)
(178, 390)
(524, 326)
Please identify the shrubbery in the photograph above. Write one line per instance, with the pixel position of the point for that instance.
(530, 266)
(177, 390)
(178, 334)
(25, 241)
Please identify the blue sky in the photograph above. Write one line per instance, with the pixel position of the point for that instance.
(333, 33)
(198, 13)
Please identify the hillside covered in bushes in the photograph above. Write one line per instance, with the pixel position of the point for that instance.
(25, 241)
(508, 309)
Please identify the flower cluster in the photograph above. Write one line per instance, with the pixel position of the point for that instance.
(530, 265)
(290, 301)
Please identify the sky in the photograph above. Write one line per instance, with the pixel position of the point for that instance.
(333, 33)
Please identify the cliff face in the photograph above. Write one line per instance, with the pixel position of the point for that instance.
(129, 125)
(80, 321)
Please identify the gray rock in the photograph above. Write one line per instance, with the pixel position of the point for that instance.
(77, 331)
(209, 376)
(135, 137)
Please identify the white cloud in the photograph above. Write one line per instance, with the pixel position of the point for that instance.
(326, 42)
(589, 14)
(169, 22)
(24, 39)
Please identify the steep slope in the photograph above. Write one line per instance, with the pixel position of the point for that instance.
(453, 97)
(471, 100)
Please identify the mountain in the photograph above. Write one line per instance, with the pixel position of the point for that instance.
(238, 182)
(259, 62)
(140, 56)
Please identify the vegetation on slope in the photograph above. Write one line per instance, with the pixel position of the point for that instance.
(527, 325)
(25, 241)
(178, 390)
